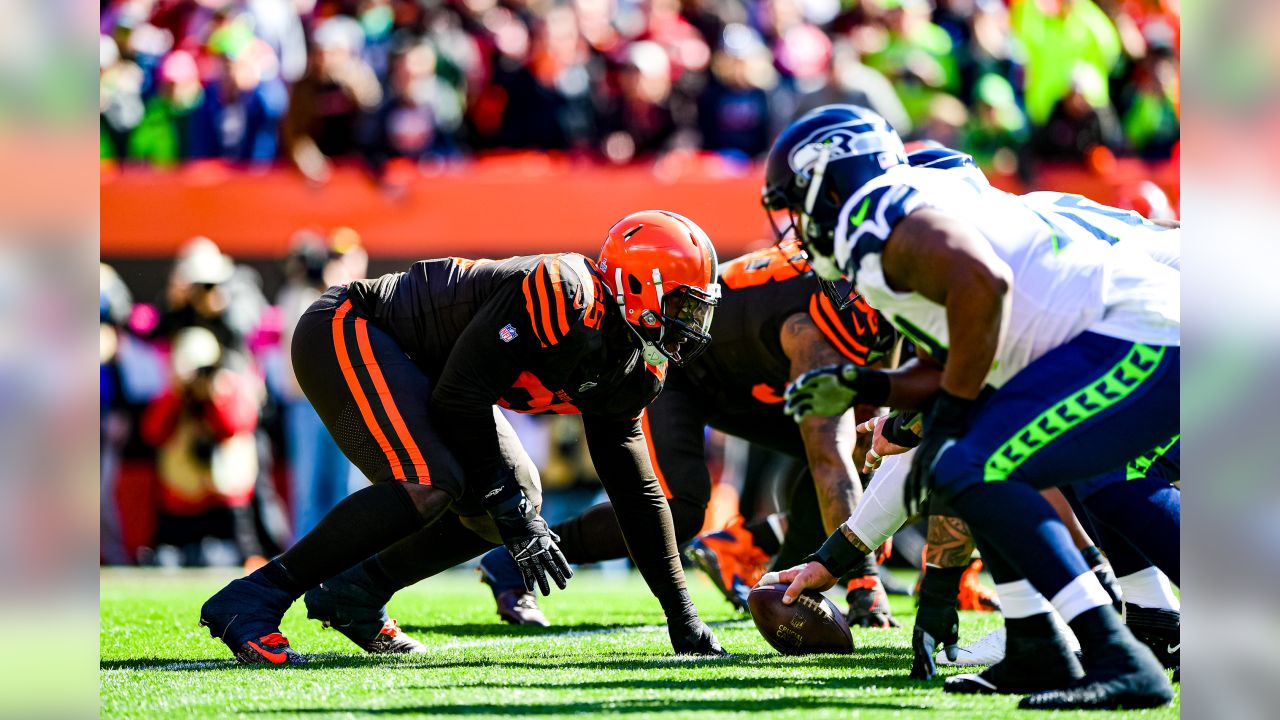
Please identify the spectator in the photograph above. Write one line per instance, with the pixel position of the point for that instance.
(1080, 125)
(850, 81)
(203, 291)
(997, 130)
(916, 56)
(326, 104)
(637, 121)
(1056, 35)
(202, 428)
(244, 101)
(159, 136)
(421, 115)
(733, 111)
(1151, 124)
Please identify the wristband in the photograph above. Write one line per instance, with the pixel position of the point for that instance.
(897, 429)
(839, 554)
(949, 414)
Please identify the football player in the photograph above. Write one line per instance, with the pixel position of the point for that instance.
(775, 321)
(405, 371)
(1059, 350)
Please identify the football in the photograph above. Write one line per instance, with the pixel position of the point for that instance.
(812, 624)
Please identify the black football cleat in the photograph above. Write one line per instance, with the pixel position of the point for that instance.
(1158, 629)
(1122, 675)
(516, 605)
(245, 615)
(1032, 663)
(348, 604)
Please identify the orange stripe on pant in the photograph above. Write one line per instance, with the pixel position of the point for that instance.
(353, 384)
(388, 403)
(653, 455)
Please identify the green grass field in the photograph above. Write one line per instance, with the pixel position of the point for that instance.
(609, 654)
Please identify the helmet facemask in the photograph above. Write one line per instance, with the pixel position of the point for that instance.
(681, 331)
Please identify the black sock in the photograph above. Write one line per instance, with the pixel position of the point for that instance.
(432, 550)
(1033, 627)
(764, 536)
(362, 524)
(1097, 627)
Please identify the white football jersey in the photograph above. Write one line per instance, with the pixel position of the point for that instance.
(1072, 272)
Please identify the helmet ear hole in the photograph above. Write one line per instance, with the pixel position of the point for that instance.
(634, 284)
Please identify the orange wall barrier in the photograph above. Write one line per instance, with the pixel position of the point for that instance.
(491, 206)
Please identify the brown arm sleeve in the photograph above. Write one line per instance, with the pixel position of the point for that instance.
(621, 457)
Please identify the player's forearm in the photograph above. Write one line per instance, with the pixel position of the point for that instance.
(621, 457)
(830, 455)
(912, 385)
(645, 520)
(838, 494)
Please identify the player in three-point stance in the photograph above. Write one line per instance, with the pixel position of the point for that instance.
(406, 370)
(775, 321)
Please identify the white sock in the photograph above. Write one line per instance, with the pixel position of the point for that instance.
(775, 524)
(1082, 594)
(1019, 599)
(1149, 588)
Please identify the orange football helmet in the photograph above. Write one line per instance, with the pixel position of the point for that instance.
(661, 269)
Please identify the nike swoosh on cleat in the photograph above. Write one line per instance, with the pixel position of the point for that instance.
(278, 658)
(1172, 648)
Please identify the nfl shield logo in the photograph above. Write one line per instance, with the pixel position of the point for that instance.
(507, 333)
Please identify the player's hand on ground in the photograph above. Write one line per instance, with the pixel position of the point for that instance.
(829, 391)
(533, 546)
(936, 624)
(691, 636)
(881, 447)
(811, 576)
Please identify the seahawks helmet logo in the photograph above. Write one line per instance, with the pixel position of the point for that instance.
(854, 138)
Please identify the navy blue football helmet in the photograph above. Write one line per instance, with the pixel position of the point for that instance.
(818, 162)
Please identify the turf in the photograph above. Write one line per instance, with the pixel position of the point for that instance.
(608, 655)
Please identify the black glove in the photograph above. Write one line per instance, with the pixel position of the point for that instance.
(691, 636)
(831, 390)
(936, 624)
(945, 421)
(532, 545)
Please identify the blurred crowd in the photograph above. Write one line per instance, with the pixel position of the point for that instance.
(430, 81)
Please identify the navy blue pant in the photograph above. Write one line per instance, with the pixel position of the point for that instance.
(1082, 410)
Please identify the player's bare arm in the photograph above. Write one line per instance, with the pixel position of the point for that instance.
(828, 441)
(932, 256)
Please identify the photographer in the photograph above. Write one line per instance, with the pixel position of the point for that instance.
(202, 429)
